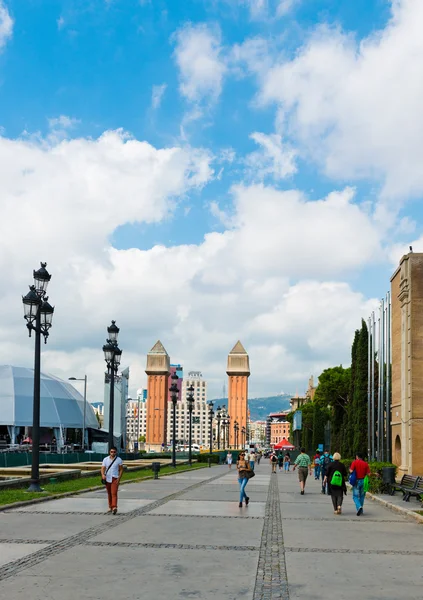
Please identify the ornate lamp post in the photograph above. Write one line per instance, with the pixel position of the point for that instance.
(228, 429)
(38, 314)
(190, 402)
(84, 379)
(112, 356)
(243, 435)
(211, 414)
(218, 417)
(174, 396)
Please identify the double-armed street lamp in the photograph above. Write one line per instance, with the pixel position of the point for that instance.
(211, 415)
(174, 396)
(218, 417)
(112, 356)
(38, 314)
(190, 403)
(228, 429)
(84, 379)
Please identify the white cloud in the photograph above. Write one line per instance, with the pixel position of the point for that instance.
(60, 23)
(273, 158)
(157, 95)
(266, 9)
(62, 202)
(356, 107)
(198, 55)
(63, 122)
(6, 25)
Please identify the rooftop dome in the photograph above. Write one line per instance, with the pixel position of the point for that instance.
(61, 404)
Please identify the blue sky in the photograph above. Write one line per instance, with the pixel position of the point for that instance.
(301, 98)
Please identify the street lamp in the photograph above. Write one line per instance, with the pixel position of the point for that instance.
(84, 379)
(243, 436)
(190, 402)
(218, 417)
(236, 428)
(38, 314)
(174, 396)
(211, 414)
(228, 428)
(112, 356)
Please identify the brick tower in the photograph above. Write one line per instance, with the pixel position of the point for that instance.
(238, 371)
(158, 367)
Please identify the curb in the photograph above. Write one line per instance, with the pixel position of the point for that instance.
(84, 491)
(403, 511)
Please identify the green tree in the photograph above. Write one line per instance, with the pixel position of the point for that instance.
(321, 416)
(333, 393)
(349, 417)
(360, 419)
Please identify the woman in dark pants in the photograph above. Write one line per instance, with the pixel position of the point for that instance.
(336, 491)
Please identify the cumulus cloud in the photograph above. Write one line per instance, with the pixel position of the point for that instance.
(6, 25)
(198, 55)
(355, 107)
(61, 202)
(266, 9)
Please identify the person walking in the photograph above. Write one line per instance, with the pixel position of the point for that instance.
(229, 459)
(111, 471)
(335, 477)
(259, 457)
(361, 469)
(303, 463)
(280, 461)
(252, 460)
(243, 467)
(286, 462)
(325, 461)
(316, 461)
(273, 461)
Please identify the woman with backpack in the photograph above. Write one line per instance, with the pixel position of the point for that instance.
(335, 477)
(273, 461)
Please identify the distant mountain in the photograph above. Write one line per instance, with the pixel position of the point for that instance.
(261, 407)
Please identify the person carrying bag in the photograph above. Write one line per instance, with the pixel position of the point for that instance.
(244, 474)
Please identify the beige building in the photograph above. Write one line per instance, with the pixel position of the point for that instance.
(200, 419)
(279, 427)
(136, 420)
(257, 431)
(407, 364)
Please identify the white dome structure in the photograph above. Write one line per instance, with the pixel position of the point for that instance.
(61, 405)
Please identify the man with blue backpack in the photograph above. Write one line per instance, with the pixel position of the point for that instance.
(325, 461)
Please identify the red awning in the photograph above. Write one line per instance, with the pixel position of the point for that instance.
(284, 445)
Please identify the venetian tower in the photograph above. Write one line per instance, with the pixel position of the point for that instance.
(158, 368)
(238, 371)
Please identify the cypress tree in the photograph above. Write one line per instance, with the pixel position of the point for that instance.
(360, 393)
(349, 417)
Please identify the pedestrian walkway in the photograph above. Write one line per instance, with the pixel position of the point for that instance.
(184, 536)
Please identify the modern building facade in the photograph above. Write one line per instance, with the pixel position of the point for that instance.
(238, 371)
(120, 398)
(407, 364)
(200, 419)
(136, 419)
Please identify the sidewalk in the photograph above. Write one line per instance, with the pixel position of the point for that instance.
(184, 536)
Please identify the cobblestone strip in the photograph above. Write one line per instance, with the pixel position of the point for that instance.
(10, 569)
(176, 546)
(355, 551)
(271, 579)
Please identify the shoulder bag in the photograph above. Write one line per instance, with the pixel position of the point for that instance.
(353, 478)
(104, 481)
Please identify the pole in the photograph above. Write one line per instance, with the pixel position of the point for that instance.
(85, 414)
(35, 466)
(388, 378)
(138, 425)
(190, 436)
(382, 384)
(373, 386)
(174, 431)
(112, 404)
(211, 430)
(369, 355)
(379, 403)
(218, 432)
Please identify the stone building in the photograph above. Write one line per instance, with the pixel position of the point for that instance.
(407, 364)
(279, 427)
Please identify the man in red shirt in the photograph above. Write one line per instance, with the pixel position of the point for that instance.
(361, 469)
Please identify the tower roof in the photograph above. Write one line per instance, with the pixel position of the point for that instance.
(158, 348)
(238, 361)
(158, 361)
(238, 349)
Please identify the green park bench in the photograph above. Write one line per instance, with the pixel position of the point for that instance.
(411, 485)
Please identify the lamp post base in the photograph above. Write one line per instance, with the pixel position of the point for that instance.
(34, 486)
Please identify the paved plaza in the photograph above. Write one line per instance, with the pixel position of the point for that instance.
(184, 536)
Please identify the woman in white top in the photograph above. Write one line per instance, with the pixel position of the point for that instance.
(229, 459)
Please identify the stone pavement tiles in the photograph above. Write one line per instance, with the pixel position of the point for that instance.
(184, 536)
